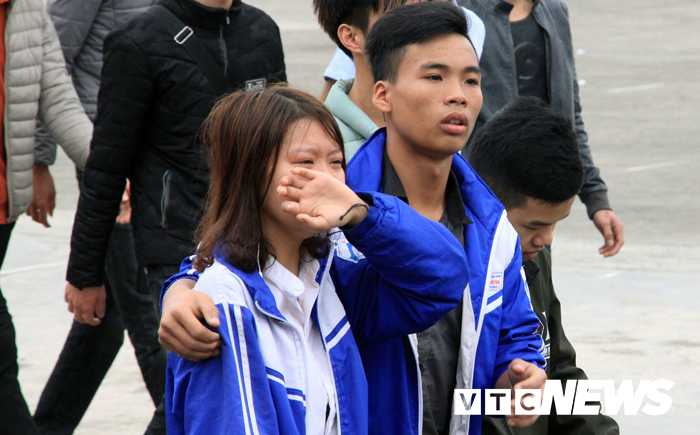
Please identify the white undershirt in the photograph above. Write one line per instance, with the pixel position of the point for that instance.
(295, 299)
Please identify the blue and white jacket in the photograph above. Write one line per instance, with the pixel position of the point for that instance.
(505, 326)
(390, 282)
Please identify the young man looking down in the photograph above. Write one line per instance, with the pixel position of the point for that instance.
(529, 157)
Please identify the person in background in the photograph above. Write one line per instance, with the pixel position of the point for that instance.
(528, 155)
(528, 51)
(34, 83)
(350, 99)
(90, 349)
(163, 71)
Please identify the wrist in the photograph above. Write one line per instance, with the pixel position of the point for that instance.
(355, 214)
(40, 167)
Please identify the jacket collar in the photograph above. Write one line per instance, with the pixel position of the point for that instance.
(531, 270)
(364, 174)
(196, 14)
(259, 290)
(343, 108)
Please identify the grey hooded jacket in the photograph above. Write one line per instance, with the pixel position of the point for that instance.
(37, 85)
(82, 32)
(355, 126)
(499, 77)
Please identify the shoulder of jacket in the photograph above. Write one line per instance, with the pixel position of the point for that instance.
(258, 15)
(505, 239)
(554, 6)
(222, 285)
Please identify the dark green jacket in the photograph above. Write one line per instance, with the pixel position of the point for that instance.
(561, 361)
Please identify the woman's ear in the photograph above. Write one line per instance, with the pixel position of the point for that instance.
(382, 96)
(352, 38)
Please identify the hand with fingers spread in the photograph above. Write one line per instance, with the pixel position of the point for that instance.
(521, 375)
(611, 228)
(181, 329)
(320, 200)
(87, 305)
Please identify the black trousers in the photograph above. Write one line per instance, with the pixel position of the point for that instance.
(89, 351)
(155, 276)
(15, 418)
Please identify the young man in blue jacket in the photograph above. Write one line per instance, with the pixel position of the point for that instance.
(528, 155)
(428, 88)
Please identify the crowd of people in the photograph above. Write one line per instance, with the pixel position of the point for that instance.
(311, 268)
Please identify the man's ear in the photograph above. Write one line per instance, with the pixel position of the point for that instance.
(352, 38)
(382, 96)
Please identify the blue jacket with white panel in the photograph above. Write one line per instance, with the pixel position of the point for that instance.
(504, 326)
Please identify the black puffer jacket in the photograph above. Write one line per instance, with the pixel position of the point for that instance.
(152, 101)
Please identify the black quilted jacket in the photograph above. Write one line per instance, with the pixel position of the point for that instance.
(152, 101)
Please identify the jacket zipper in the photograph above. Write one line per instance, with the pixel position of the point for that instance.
(165, 199)
(326, 272)
(222, 42)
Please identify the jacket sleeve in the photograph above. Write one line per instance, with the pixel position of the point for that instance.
(226, 394)
(594, 192)
(187, 271)
(518, 337)
(72, 26)
(124, 103)
(409, 271)
(60, 109)
(562, 366)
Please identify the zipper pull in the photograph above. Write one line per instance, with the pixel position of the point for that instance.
(228, 19)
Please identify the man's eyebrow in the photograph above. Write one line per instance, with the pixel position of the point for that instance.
(441, 66)
(435, 65)
(473, 69)
(544, 224)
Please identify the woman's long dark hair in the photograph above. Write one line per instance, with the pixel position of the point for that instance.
(244, 133)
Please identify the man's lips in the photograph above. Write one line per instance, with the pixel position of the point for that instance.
(455, 123)
(530, 255)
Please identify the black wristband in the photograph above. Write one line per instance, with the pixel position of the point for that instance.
(359, 204)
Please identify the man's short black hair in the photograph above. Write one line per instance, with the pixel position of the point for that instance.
(332, 13)
(400, 27)
(527, 149)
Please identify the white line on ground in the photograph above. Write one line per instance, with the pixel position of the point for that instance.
(654, 166)
(609, 275)
(636, 88)
(32, 268)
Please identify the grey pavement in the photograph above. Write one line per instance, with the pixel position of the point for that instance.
(634, 316)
